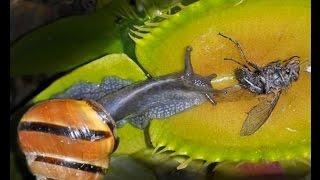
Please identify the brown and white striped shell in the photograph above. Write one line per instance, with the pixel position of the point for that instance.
(67, 139)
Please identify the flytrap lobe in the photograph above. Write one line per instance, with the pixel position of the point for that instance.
(268, 31)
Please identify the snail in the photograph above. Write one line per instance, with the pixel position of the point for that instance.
(72, 136)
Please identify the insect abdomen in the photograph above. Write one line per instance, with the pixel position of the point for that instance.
(66, 139)
(249, 80)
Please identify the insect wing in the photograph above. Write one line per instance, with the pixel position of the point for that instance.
(233, 93)
(258, 115)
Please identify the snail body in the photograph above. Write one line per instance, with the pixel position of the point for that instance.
(154, 98)
(157, 98)
(67, 139)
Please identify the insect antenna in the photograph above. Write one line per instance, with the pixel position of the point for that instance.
(241, 64)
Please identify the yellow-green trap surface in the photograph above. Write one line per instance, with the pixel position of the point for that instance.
(268, 31)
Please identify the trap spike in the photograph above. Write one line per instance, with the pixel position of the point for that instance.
(121, 15)
(134, 14)
(173, 154)
(162, 150)
(151, 24)
(222, 164)
(294, 163)
(133, 38)
(184, 164)
(214, 168)
(145, 29)
(304, 161)
(180, 5)
(139, 34)
(163, 15)
(156, 149)
(206, 163)
(126, 12)
(240, 163)
(238, 3)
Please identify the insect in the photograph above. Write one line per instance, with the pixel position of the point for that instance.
(67, 139)
(138, 103)
(269, 80)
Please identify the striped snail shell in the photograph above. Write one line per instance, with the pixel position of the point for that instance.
(67, 139)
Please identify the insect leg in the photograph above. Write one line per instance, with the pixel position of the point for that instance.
(256, 67)
(243, 65)
(283, 82)
(252, 86)
(243, 56)
(237, 44)
(211, 99)
(188, 69)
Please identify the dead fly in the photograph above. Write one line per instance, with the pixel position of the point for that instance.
(268, 80)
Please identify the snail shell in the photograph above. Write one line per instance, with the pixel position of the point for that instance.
(67, 139)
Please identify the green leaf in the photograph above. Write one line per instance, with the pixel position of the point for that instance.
(66, 43)
(14, 172)
(111, 65)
